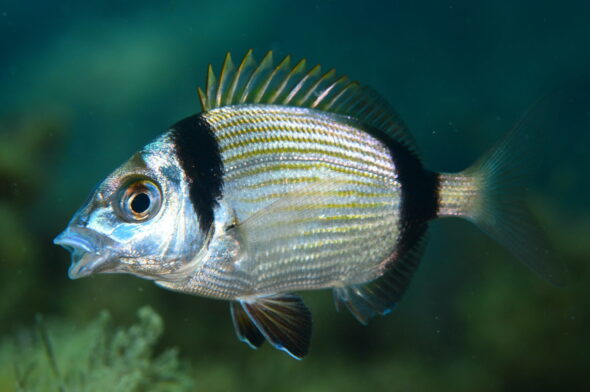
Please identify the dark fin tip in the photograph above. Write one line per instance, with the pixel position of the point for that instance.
(246, 330)
(284, 320)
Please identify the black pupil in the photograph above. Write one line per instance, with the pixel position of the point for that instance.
(140, 203)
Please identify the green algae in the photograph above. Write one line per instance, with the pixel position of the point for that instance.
(60, 356)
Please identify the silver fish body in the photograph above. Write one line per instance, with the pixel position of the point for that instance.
(328, 193)
(290, 180)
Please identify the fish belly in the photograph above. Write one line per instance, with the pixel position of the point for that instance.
(316, 199)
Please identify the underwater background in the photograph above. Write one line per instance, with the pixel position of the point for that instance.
(85, 84)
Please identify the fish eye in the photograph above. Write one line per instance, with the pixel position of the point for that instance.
(139, 200)
(140, 203)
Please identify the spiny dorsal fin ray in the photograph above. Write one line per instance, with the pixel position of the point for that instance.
(211, 85)
(291, 75)
(239, 76)
(256, 80)
(264, 85)
(224, 78)
(284, 84)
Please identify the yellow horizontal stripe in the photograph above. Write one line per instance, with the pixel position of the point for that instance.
(323, 244)
(301, 180)
(280, 181)
(220, 113)
(324, 218)
(305, 166)
(346, 193)
(341, 229)
(296, 139)
(358, 227)
(242, 125)
(287, 150)
(244, 122)
(305, 207)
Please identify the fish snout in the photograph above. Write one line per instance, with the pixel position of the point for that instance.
(88, 253)
(73, 241)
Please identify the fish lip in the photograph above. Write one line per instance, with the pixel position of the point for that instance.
(73, 241)
(88, 264)
(86, 257)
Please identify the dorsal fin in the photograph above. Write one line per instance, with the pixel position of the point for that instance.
(298, 85)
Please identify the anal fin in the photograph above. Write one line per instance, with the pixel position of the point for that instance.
(380, 296)
(283, 320)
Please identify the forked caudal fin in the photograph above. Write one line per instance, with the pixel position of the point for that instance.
(491, 194)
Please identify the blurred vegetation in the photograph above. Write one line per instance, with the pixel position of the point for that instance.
(28, 145)
(62, 357)
(84, 85)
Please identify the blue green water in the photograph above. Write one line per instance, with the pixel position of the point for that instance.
(85, 84)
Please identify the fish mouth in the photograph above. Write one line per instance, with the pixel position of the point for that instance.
(87, 256)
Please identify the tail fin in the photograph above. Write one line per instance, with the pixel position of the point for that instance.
(491, 194)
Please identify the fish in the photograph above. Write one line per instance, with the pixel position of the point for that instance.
(293, 179)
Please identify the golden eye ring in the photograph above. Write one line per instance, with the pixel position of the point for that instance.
(139, 201)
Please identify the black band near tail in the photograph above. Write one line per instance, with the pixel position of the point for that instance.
(419, 187)
(419, 195)
(198, 153)
(419, 200)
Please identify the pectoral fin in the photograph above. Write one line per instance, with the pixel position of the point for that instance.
(246, 330)
(283, 320)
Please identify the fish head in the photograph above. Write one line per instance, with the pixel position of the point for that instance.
(139, 220)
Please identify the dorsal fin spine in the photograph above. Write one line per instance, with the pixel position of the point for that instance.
(246, 61)
(315, 86)
(228, 66)
(322, 96)
(372, 113)
(202, 98)
(281, 87)
(300, 67)
(266, 61)
(312, 72)
(379, 121)
(261, 83)
(341, 94)
(269, 78)
(336, 95)
(282, 68)
(211, 87)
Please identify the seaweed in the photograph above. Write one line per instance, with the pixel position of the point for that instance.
(59, 356)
